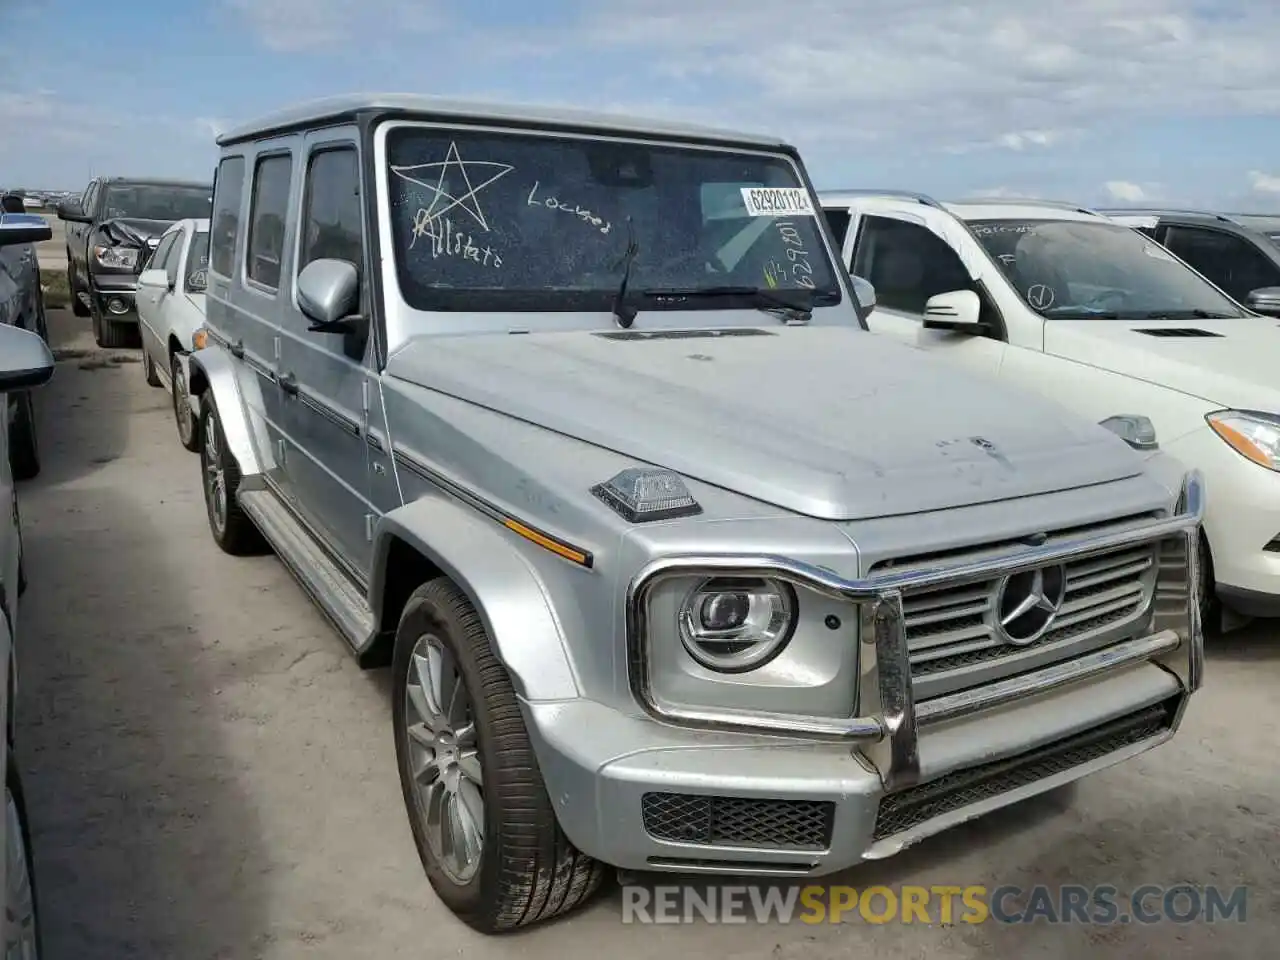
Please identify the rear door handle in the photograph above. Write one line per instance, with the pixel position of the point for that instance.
(237, 350)
(289, 384)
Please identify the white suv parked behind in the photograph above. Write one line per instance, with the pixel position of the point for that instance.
(1091, 313)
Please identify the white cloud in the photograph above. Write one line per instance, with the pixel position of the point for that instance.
(1125, 191)
(999, 72)
(104, 142)
(1264, 182)
(292, 26)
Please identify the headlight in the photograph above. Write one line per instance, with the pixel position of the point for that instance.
(116, 258)
(1253, 435)
(732, 624)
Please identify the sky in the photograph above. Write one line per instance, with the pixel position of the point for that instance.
(1099, 102)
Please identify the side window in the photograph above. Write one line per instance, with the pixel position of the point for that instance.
(907, 264)
(331, 213)
(838, 220)
(90, 197)
(173, 255)
(1232, 263)
(267, 213)
(158, 255)
(226, 214)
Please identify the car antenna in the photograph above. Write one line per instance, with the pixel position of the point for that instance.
(623, 312)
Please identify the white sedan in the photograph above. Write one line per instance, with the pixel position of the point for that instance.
(1092, 314)
(171, 316)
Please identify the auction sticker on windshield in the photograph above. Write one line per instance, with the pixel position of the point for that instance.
(777, 202)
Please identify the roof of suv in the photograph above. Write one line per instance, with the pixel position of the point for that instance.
(156, 182)
(979, 209)
(331, 110)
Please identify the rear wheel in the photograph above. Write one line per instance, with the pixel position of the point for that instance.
(22, 916)
(484, 826)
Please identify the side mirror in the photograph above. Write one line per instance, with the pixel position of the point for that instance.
(865, 292)
(957, 311)
(12, 203)
(25, 359)
(328, 292)
(156, 278)
(23, 228)
(71, 210)
(1264, 300)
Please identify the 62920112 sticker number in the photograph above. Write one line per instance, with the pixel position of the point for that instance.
(777, 202)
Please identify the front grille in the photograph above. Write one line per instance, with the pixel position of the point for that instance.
(900, 812)
(738, 821)
(953, 628)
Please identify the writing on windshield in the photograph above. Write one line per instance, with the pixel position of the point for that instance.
(524, 222)
(1084, 269)
(157, 202)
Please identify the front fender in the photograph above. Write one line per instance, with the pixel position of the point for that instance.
(213, 369)
(502, 585)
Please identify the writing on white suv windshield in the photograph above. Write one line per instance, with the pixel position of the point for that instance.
(488, 221)
(1092, 269)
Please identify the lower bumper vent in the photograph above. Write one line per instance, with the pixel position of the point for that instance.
(738, 821)
(900, 812)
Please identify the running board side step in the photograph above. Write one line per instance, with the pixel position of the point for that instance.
(331, 589)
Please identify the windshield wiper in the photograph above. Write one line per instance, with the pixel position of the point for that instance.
(623, 312)
(796, 308)
(1086, 313)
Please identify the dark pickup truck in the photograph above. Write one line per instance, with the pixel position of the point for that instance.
(109, 234)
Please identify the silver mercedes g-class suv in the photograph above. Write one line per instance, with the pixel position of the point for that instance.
(574, 421)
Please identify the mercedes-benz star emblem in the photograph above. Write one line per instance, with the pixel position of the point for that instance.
(1028, 602)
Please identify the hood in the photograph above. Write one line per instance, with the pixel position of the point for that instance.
(132, 231)
(830, 422)
(1230, 362)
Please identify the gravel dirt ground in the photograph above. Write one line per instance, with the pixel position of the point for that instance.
(210, 775)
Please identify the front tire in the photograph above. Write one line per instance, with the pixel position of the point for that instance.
(22, 921)
(231, 527)
(77, 305)
(484, 826)
(188, 427)
(149, 368)
(24, 450)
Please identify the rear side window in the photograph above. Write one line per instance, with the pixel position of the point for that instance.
(226, 214)
(198, 263)
(267, 219)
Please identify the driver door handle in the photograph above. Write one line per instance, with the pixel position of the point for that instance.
(289, 384)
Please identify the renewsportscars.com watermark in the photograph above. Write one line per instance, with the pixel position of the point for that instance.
(1069, 904)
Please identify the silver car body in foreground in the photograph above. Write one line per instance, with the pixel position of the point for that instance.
(751, 589)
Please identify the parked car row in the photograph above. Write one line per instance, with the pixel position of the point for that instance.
(25, 363)
(110, 231)
(1099, 317)
(575, 422)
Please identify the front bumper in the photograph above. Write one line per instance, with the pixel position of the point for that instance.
(114, 296)
(1241, 523)
(809, 796)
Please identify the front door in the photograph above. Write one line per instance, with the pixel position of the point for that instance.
(908, 263)
(330, 390)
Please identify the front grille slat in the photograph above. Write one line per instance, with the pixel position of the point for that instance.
(956, 628)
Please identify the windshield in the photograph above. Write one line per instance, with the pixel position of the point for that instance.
(157, 202)
(198, 262)
(1071, 269)
(521, 222)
